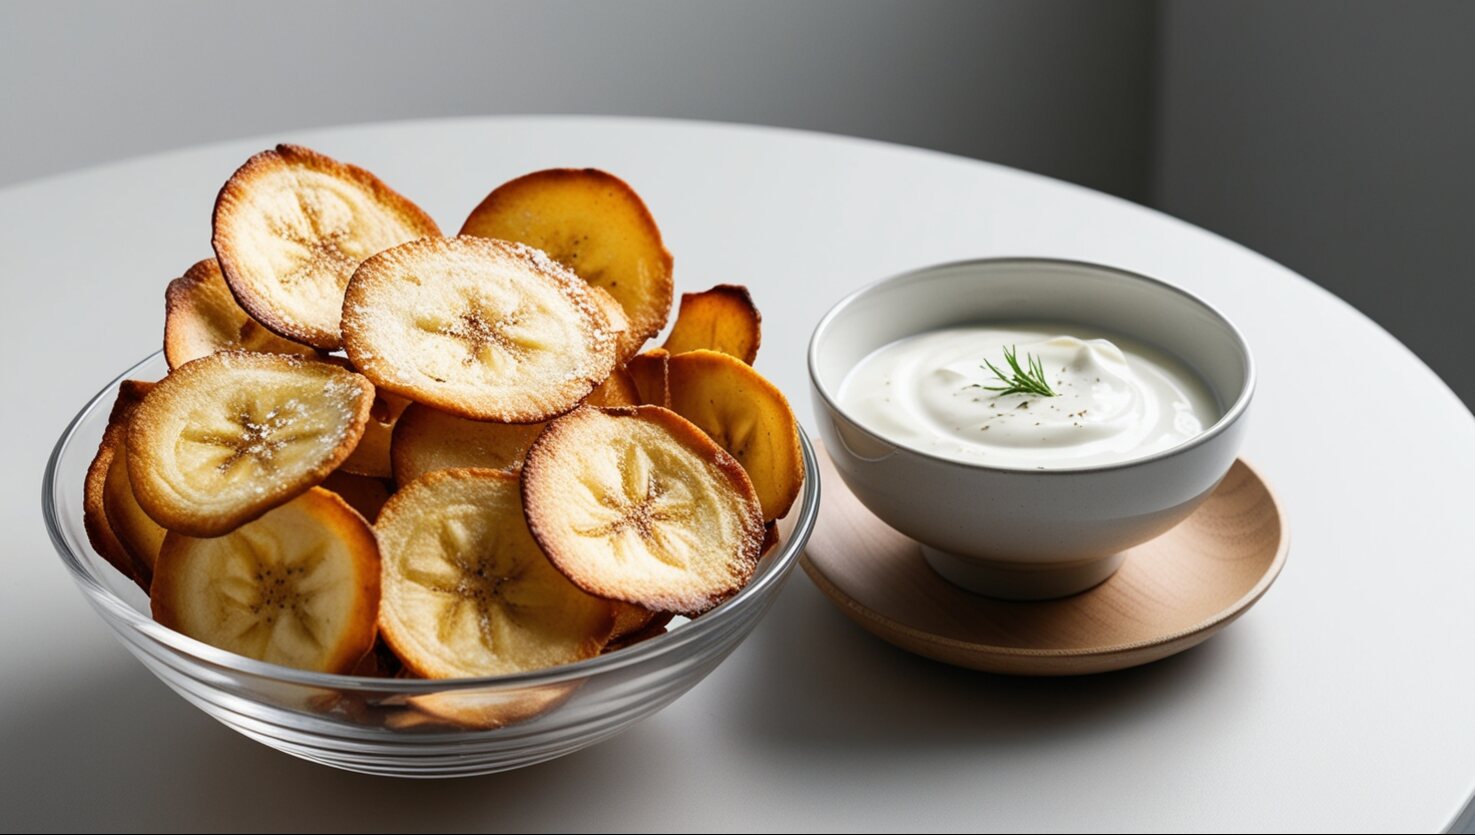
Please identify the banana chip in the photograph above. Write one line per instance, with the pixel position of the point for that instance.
(482, 710)
(723, 319)
(619, 324)
(597, 225)
(298, 587)
(227, 437)
(655, 629)
(202, 317)
(100, 531)
(371, 456)
(140, 535)
(426, 439)
(363, 493)
(651, 373)
(467, 591)
(379, 662)
(637, 505)
(618, 389)
(484, 329)
(630, 619)
(291, 226)
(748, 416)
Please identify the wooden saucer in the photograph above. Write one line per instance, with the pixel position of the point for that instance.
(1170, 594)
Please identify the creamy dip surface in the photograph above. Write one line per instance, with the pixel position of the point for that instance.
(1117, 399)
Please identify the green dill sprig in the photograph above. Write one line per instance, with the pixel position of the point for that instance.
(1029, 380)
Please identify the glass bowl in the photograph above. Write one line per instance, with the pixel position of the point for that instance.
(407, 727)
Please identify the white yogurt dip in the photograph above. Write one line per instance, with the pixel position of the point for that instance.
(1115, 399)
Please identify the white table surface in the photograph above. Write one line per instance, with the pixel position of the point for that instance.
(1341, 701)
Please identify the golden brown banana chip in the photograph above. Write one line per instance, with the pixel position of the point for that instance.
(363, 493)
(427, 439)
(409, 720)
(291, 226)
(484, 329)
(140, 535)
(371, 456)
(651, 375)
(654, 629)
(343, 705)
(748, 416)
(630, 619)
(100, 532)
(379, 662)
(298, 587)
(227, 437)
(467, 592)
(723, 318)
(619, 324)
(770, 537)
(638, 505)
(491, 708)
(618, 389)
(202, 317)
(597, 225)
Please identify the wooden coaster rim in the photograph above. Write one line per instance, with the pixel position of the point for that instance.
(1016, 659)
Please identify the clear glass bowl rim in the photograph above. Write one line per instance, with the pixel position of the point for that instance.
(778, 568)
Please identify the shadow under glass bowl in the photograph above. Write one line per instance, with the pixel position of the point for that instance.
(407, 727)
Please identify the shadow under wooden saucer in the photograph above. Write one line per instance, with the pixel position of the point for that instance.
(1170, 594)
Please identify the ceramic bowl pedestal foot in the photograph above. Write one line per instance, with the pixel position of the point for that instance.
(1014, 581)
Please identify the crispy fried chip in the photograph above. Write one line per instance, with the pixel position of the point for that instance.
(748, 416)
(619, 324)
(140, 535)
(371, 456)
(638, 505)
(484, 329)
(410, 720)
(770, 537)
(379, 662)
(365, 494)
(723, 319)
(655, 629)
(291, 226)
(227, 437)
(467, 591)
(202, 317)
(427, 439)
(597, 225)
(100, 532)
(297, 587)
(618, 389)
(492, 708)
(651, 374)
(630, 619)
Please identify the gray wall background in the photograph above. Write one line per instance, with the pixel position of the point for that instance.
(1022, 82)
(1339, 139)
(1336, 137)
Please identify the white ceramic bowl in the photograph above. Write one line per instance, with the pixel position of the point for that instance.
(1027, 533)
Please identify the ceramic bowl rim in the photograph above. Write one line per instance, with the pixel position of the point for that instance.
(1231, 415)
